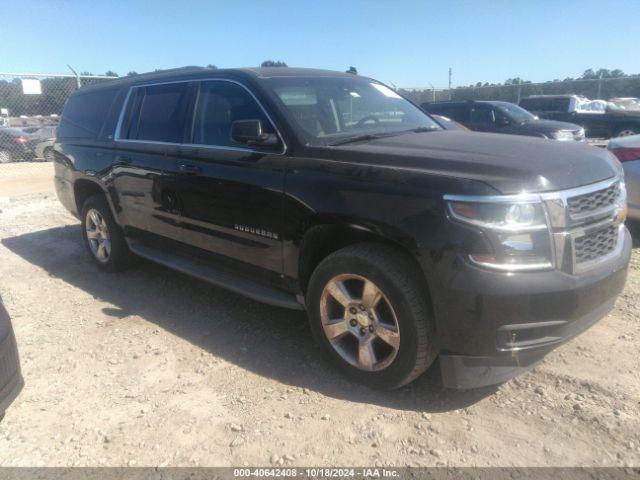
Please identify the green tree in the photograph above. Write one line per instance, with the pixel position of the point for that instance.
(352, 70)
(212, 66)
(111, 73)
(132, 73)
(273, 63)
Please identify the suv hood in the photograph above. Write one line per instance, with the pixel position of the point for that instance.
(509, 163)
(542, 125)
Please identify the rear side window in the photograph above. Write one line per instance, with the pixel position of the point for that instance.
(458, 113)
(84, 114)
(157, 113)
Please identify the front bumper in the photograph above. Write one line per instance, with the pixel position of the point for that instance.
(493, 326)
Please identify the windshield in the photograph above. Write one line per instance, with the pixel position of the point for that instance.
(328, 110)
(516, 113)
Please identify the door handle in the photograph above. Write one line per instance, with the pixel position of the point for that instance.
(190, 169)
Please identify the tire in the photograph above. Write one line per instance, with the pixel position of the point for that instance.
(47, 154)
(402, 308)
(5, 156)
(627, 131)
(103, 235)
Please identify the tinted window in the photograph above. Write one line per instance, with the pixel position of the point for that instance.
(459, 113)
(219, 104)
(159, 113)
(483, 114)
(538, 104)
(84, 114)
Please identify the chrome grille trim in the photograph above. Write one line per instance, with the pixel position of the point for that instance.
(595, 245)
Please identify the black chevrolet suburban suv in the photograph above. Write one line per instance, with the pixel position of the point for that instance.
(331, 193)
(504, 117)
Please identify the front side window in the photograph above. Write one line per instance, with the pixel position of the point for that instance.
(159, 113)
(483, 114)
(219, 104)
(327, 110)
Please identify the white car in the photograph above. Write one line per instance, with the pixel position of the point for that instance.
(627, 149)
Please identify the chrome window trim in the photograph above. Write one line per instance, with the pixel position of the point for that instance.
(127, 99)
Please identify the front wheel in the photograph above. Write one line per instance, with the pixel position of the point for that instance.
(369, 312)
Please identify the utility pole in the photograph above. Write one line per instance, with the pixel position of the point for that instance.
(449, 83)
(598, 96)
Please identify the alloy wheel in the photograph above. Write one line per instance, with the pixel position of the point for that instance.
(98, 235)
(359, 322)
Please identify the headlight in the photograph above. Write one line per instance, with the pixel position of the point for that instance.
(516, 231)
(563, 135)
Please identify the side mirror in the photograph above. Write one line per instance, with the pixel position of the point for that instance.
(249, 132)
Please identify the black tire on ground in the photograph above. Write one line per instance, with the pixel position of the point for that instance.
(120, 257)
(5, 156)
(399, 279)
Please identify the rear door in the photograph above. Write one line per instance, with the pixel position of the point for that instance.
(229, 195)
(153, 124)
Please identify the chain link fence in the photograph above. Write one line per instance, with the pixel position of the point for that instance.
(31, 104)
(30, 108)
(598, 88)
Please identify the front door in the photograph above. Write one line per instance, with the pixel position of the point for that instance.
(229, 195)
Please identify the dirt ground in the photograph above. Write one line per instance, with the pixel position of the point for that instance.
(150, 367)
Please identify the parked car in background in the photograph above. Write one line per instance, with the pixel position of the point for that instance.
(447, 123)
(44, 139)
(504, 117)
(627, 149)
(329, 192)
(11, 381)
(598, 120)
(16, 145)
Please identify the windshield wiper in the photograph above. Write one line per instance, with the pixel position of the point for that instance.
(373, 136)
(357, 138)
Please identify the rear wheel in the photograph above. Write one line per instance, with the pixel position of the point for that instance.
(369, 313)
(103, 237)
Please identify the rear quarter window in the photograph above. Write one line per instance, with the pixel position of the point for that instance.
(85, 113)
(158, 113)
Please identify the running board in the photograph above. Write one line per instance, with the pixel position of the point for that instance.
(217, 276)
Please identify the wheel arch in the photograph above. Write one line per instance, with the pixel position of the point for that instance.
(83, 188)
(326, 236)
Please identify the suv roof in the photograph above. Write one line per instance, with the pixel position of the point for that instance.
(203, 72)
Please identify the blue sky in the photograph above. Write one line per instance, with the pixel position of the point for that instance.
(407, 43)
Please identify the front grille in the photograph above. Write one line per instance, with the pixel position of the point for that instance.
(592, 202)
(595, 245)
